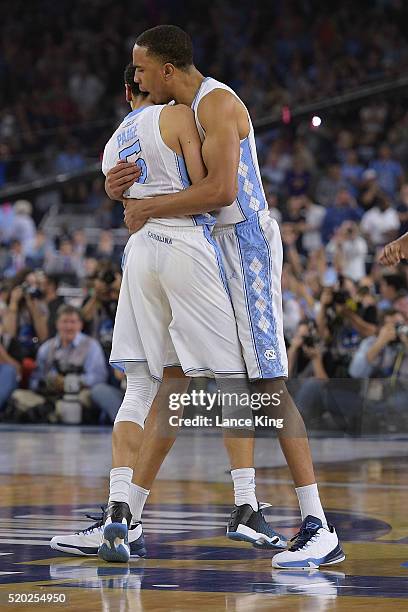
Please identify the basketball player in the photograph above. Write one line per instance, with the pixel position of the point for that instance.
(169, 266)
(251, 247)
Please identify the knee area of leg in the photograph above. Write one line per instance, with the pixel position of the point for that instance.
(133, 412)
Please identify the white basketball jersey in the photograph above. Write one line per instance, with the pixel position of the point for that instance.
(138, 140)
(251, 196)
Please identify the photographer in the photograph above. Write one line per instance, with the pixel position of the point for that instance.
(26, 316)
(377, 355)
(70, 363)
(305, 357)
(385, 356)
(99, 310)
(9, 365)
(325, 402)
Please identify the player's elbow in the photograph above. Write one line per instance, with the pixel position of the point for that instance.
(225, 194)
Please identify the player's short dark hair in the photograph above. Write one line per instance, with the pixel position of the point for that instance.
(129, 77)
(170, 44)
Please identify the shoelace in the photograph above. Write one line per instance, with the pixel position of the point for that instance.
(96, 525)
(302, 538)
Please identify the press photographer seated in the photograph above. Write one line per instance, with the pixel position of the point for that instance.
(68, 366)
(385, 354)
(383, 361)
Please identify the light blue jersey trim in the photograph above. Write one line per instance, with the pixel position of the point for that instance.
(250, 197)
(182, 170)
(247, 304)
(203, 218)
(135, 112)
(255, 264)
(218, 256)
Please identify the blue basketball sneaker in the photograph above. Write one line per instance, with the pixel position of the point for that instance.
(312, 546)
(87, 541)
(248, 525)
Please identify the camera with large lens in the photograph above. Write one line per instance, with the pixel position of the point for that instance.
(69, 408)
(401, 329)
(108, 277)
(33, 292)
(311, 339)
(340, 297)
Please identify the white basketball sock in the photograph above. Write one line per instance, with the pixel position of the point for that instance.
(120, 479)
(244, 487)
(309, 502)
(137, 499)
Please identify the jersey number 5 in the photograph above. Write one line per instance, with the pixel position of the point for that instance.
(134, 150)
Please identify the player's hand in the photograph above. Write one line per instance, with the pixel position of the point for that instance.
(393, 252)
(134, 219)
(121, 177)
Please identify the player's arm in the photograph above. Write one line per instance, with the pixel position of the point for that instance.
(190, 142)
(220, 152)
(395, 251)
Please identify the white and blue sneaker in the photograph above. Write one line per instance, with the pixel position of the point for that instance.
(312, 546)
(248, 525)
(115, 544)
(86, 542)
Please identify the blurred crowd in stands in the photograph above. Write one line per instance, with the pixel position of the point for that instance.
(61, 65)
(339, 192)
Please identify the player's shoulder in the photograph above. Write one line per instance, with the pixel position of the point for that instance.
(178, 110)
(221, 98)
(176, 117)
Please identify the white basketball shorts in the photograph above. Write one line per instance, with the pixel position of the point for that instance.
(174, 306)
(252, 258)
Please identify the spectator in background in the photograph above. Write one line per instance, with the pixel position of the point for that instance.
(39, 250)
(69, 352)
(392, 286)
(108, 397)
(381, 223)
(385, 357)
(9, 365)
(99, 310)
(369, 189)
(85, 88)
(79, 242)
(64, 262)
(276, 166)
(297, 180)
(292, 312)
(345, 209)
(389, 171)
(49, 285)
(352, 172)
(329, 185)
(23, 228)
(25, 319)
(311, 231)
(106, 249)
(348, 249)
(402, 209)
(70, 159)
(15, 261)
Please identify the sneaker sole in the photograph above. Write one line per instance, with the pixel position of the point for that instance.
(113, 547)
(311, 564)
(69, 549)
(246, 534)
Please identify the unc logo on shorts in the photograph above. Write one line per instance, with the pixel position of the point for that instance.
(270, 354)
